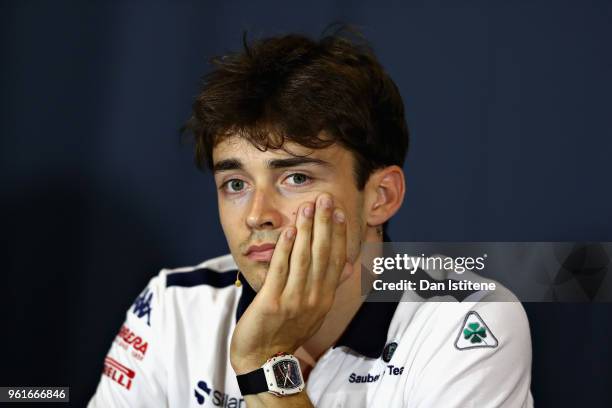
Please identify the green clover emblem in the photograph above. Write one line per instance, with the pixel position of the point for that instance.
(475, 332)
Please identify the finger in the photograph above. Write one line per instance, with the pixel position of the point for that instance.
(321, 236)
(299, 262)
(279, 264)
(348, 270)
(337, 256)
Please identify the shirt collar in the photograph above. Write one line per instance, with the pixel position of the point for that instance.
(366, 333)
(247, 296)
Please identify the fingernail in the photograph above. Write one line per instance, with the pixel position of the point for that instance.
(289, 233)
(308, 211)
(325, 202)
(339, 216)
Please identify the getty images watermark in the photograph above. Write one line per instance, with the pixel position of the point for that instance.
(412, 264)
(487, 271)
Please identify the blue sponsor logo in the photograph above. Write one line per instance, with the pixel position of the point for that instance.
(203, 387)
(393, 370)
(142, 305)
(218, 398)
(369, 378)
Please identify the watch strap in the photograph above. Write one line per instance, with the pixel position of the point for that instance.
(253, 382)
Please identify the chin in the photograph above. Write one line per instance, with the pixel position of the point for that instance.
(255, 273)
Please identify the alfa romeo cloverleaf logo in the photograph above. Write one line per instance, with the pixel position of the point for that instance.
(474, 332)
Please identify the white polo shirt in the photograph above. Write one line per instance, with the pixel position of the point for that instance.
(173, 350)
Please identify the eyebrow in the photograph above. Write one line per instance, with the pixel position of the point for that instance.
(235, 164)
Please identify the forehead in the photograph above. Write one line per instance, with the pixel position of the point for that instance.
(236, 147)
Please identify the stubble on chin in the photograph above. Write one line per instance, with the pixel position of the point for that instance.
(255, 273)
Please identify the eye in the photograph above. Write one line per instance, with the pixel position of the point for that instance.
(233, 185)
(298, 179)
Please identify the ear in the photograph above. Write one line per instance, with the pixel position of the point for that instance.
(384, 194)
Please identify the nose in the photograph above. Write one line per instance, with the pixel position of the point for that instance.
(264, 213)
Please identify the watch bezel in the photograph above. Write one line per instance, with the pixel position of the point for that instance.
(271, 378)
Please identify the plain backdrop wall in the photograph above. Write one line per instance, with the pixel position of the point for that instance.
(508, 105)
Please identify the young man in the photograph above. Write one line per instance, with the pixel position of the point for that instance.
(306, 141)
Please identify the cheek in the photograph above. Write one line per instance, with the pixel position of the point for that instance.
(289, 206)
(356, 231)
(353, 245)
(236, 203)
(230, 218)
(231, 208)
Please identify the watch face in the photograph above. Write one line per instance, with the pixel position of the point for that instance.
(287, 374)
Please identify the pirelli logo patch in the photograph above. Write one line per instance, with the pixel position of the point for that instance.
(119, 373)
(475, 333)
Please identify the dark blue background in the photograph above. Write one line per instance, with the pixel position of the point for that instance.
(509, 108)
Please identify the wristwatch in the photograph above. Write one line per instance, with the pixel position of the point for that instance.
(280, 375)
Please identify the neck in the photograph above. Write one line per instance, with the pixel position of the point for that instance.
(347, 302)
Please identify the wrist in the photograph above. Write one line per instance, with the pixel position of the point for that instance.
(280, 375)
(246, 364)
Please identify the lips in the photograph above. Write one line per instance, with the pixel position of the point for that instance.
(260, 252)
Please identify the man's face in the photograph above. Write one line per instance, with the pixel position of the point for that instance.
(259, 194)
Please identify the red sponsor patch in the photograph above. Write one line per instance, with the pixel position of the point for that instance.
(119, 373)
(129, 340)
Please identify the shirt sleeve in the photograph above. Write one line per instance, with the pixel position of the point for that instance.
(483, 359)
(134, 373)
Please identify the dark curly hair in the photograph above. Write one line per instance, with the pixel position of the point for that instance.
(314, 93)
